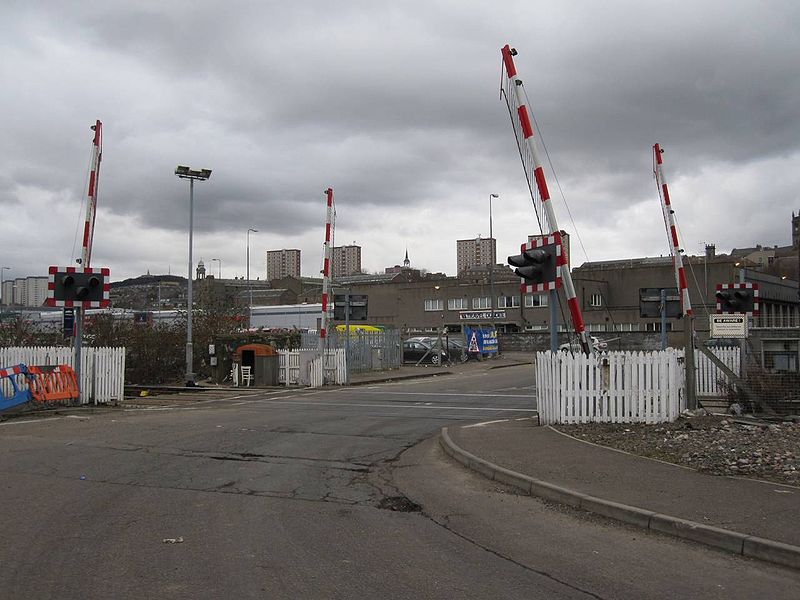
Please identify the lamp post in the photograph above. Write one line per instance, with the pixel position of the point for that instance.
(219, 273)
(492, 250)
(249, 287)
(192, 175)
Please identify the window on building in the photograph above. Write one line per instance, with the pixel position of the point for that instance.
(456, 304)
(534, 300)
(483, 302)
(656, 326)
(780, 355)
(595, 300)
(431, 305)
(508, 302)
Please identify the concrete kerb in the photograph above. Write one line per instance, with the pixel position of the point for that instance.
(389, 378)
(732, 541)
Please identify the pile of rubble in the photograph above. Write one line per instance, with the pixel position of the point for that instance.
(722, 446)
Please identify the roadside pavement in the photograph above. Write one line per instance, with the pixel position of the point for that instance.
(411, 371)
(744, 516)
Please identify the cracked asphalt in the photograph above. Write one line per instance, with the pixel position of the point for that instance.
(331, 493)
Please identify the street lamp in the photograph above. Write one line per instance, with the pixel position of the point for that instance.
(491, 264)
(249, 287)
(219, 260)
(192, 175)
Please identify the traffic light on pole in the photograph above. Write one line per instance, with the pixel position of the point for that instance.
(78, 287)
(737, 298)
(539, 264)
(533, 265)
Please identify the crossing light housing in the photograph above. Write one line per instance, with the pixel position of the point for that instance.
(740, 300)
(536, 266)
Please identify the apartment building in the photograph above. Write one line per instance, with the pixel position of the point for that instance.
(346, 261)
(477, 252)
(283, 263)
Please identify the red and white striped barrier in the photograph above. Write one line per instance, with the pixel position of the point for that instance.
(91, 196)
(326, 266)
(672, 232)
(515, 83)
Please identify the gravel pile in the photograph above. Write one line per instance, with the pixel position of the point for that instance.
(721, 446)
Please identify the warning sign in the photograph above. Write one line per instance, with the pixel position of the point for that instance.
(473, 343)
(728, 326)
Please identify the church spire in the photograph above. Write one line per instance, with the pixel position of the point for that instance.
(406, 262)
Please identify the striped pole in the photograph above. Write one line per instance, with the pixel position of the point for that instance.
(680, 278)
(672, 232)
(91, 196)
(326, 276)
(541, 185)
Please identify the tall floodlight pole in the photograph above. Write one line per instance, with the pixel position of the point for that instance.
(249, 287)
(192, 175)
(492, 250)
(680, 275)
(219, 273)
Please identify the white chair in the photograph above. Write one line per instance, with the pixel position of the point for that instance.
(247, 376)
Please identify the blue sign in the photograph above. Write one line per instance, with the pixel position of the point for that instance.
(481, 339)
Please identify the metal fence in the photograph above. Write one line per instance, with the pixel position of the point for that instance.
(366, 351)
(102, 369)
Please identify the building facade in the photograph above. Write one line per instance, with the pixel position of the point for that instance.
(478, 252)
(25, 291)
(283, 263)
(346, 261)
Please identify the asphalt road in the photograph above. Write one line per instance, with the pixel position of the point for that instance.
(316, 494)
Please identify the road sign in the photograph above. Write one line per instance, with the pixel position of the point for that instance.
(728, 326)
(650, 303)
(358, 307)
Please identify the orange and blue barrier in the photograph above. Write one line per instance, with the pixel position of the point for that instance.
(17, 394)
(37, 384)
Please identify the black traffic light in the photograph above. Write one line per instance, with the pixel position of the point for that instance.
(734, 299)
(536, 265)
(78, 287)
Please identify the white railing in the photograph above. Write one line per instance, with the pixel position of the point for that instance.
(102, 369)
(708, 375)
(291, 371)
(612, 387)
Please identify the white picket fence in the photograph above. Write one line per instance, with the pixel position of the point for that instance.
(102, 369)
(335, 370)
(708, 375)
(612, 387)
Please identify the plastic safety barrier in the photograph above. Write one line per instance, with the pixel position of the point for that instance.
(51, 384)
(11, 393)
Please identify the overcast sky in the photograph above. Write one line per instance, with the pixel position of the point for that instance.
(396, 107)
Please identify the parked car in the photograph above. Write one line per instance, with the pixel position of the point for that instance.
(575, 345)
(449, 350)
